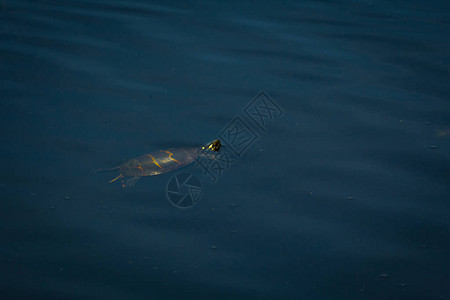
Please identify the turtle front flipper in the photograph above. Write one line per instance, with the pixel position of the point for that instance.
(118, 177)
(130, 181)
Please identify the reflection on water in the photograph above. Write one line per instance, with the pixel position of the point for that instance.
(345, 196)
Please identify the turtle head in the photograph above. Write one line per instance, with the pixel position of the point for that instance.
(213, 146)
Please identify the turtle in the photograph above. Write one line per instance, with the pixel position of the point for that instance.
(160, 162)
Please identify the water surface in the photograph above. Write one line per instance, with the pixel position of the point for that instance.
(343, 197)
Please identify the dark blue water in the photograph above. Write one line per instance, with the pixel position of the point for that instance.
(345, 196)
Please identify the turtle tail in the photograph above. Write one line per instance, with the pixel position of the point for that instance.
(108, 170)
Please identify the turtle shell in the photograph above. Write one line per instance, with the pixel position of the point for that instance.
(159, 162)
